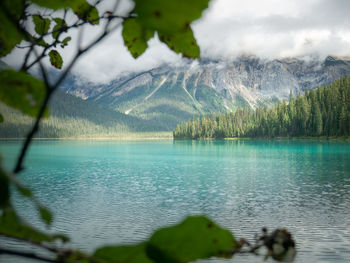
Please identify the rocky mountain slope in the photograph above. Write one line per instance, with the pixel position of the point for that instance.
(173, 94)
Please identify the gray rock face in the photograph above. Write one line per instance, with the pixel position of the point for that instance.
(174, 94)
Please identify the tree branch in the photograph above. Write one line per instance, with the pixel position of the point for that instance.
(51, 89)
(27, 255)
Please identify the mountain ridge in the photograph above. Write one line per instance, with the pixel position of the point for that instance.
(172, 94)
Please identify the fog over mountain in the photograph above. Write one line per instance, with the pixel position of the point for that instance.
(270, 29)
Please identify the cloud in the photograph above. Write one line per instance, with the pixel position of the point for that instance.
(228, 28)
(274, 29)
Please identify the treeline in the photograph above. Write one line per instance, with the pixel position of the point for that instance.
(73, 117)
(324, 111)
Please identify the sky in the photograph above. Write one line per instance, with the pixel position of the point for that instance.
(228, 28)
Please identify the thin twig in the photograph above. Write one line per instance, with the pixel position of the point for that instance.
(26, 255)
(50, 90)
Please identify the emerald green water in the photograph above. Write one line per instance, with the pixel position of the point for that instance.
(104, 192)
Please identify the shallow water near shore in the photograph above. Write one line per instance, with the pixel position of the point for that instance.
(117, 192)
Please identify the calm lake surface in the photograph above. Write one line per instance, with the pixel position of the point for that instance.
(104, 192)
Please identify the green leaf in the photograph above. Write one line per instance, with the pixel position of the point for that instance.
(45, 215)
(42, 25)
(123, 254)
(40, 42)
(65, 42)
(14, 7)
(196, 237)
(75, 256)
(81, 8)
(24, 191)
(55, 59)
(12, 226)
(169, 16)
(182, 42)
(87, 12)
(7, 179)
(171, 19)
(1, 118)
(9, 35)
(61, 26)
(4, 189)
(21, 91)
(135, 36)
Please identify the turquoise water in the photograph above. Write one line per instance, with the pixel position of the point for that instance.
(104, 192)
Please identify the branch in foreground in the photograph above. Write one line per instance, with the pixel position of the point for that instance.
(26, 255)
(50, 90)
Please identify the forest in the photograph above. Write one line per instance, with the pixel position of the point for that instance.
(74, 117)
(324, 111)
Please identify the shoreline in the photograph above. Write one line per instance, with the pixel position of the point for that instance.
(302, 138)
(137, 137)
(90, 139)
(122, 136)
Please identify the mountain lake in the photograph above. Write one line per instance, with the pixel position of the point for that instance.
(119, 192)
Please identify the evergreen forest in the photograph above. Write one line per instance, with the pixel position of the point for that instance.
(73, 117)
(324, 111)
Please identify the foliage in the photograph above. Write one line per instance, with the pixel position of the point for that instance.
(55, 58)
(196, 237)
(321, 112)
(21, 91)
(170, 19)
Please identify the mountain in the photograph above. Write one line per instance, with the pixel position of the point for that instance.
(324, 111)
(73, 117)
(170, 95)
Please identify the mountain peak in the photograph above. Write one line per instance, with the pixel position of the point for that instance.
(335, 60)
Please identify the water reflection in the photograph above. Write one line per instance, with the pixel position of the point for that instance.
(115, 192)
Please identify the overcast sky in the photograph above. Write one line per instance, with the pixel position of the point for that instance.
(229, 28)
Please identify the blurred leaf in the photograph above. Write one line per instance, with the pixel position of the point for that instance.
(196, 237)
(55, 59)
(24, 191)
(76, 256)
(12, 226)
(171, 19)
(7, 179)
(182, 42)
(123, 254)
(61, 25)
(42, 25)
(21, 91)
(65, 42)
(53, 4)
(45, 215)
(136, 36)
(14, 7)
(41, 42)
(9, 35)
(1, 118)
(169, 16)
(4, 189)
(81, 8)
(87, 12)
